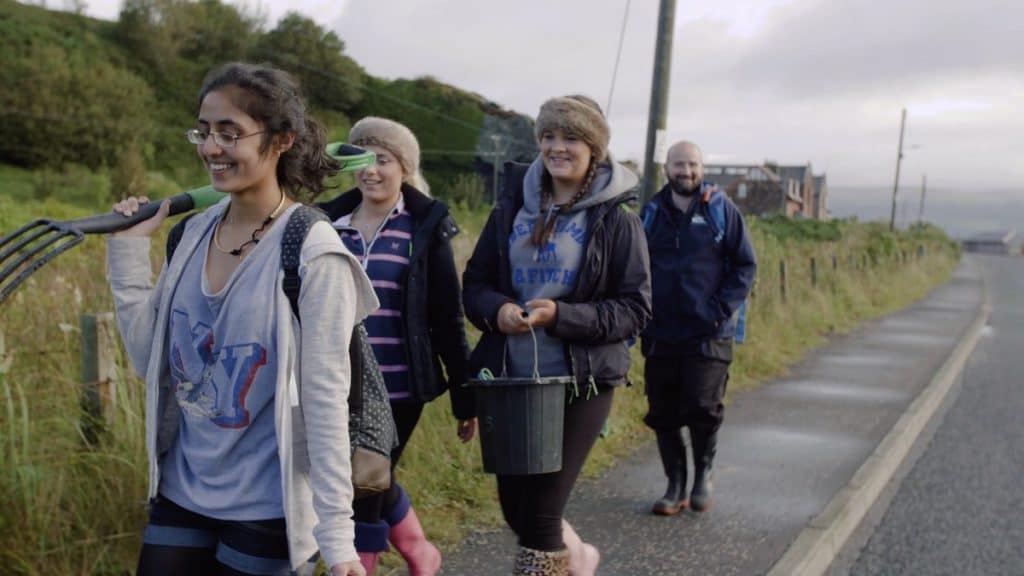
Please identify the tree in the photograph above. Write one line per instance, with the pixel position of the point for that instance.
(62, 99)
(316, 56)
(161, 32)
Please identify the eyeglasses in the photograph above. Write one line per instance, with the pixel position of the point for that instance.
(222, 139)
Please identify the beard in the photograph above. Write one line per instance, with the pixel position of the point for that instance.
(679, 188)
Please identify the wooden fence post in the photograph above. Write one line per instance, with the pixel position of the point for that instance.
(782, 279)
(99, 373)
(814, 272)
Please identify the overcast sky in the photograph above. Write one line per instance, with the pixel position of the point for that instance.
(791, 80)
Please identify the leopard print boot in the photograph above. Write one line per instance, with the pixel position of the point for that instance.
(530, 562)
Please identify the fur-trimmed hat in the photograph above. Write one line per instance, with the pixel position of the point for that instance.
(396, 138)
(578, 115)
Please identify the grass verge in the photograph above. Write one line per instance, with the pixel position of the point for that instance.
(72, 508)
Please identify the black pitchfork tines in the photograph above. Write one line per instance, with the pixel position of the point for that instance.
(30, 247)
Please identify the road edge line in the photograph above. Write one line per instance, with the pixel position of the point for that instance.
(814, 549)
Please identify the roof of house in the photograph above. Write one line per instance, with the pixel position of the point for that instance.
(994, 237)
(792, 172)
(725, 174)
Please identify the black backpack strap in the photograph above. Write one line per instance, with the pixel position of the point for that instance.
(363, 429)
(295, 232)
(174, 236)
(447, 228)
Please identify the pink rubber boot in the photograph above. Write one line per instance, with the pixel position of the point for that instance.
(422, 557)
(369, 561)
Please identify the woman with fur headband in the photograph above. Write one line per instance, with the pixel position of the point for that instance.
(403, 238)
(561, 254)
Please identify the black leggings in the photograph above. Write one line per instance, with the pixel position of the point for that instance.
(533, 505)
(372, 509)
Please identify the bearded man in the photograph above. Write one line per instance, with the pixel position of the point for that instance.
(702, 270)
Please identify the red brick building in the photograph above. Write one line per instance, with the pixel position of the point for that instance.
(762, 190)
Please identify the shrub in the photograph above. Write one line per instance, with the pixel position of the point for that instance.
(316, 57)
(74, 184)
(65, 99)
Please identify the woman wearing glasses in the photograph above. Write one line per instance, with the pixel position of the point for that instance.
(562, 255)
(247, 425)
(403, 237)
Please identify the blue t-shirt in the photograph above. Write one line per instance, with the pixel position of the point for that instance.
(224, 462)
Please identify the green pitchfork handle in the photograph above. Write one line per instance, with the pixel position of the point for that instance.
(30, 247)
(352, 158)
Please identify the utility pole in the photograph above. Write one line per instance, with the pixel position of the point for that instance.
(659, 97)
(899, 159)
(496, 155)
(920, 207)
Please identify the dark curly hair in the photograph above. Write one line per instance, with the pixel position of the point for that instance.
(273, 98)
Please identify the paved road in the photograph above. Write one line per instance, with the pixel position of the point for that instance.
(960, 509)
(785, 450)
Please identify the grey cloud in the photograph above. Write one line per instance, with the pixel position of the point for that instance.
(812, 49)
(820, 81)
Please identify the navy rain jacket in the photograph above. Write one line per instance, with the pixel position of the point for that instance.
(699, 275)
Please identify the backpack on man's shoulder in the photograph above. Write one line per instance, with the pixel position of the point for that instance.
(714, 202)
(371, 427)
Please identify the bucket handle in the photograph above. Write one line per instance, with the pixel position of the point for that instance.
(536, 356)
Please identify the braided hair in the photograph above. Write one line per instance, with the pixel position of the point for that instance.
(544, 226)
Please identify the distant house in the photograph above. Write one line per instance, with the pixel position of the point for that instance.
(1000, 242)
(756, 190)
(762, 190)
(800, 182)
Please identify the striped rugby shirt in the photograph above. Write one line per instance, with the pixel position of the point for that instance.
(386, 261)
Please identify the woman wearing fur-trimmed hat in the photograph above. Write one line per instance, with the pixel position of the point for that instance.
(559, 252)
(402, 237)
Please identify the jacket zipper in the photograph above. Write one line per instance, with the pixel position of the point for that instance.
(591, 382)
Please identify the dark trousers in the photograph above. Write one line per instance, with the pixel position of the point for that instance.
(372, 509)
(685, 390)
(533, 505)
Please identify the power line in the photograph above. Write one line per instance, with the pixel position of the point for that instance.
(618, 56)
(458, 152)
(75, 119)
(292, 60)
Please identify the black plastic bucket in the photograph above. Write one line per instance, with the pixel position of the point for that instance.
(521, 422)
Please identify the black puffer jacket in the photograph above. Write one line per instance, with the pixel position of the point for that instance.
(610, 304)
(434, 327)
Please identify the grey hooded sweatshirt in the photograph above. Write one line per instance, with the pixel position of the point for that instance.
(549, 271)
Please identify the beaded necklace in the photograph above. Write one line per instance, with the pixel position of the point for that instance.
(253, 238)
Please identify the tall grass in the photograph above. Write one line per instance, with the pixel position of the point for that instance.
(71, 508)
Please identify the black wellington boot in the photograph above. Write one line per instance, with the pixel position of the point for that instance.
(673, 458)
(704, 448)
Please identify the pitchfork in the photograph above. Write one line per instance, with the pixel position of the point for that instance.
(32, 246)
